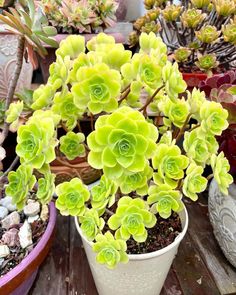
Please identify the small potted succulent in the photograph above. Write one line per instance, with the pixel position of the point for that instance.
(222, 88)
(134, 219)
(200, 34)
(26, 229)
(87, 17)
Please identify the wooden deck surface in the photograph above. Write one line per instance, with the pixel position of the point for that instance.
(198, 269)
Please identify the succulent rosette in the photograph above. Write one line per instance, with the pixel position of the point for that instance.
(20, 183)
(213, 118)
(91, 224)
(207, 34)
(172, 12)
(199, 146)
(98, 88)
(182, 54)
(164, 200)
(46, 188)
(196, 99)
(200, 3)
(43, 96)
(64, 106)
(71, 145)
(72, 197)
(13, 114)
(72, 47)
(194, 182)
(132, 217)
(122, 142)
(103, 194)
(221, 167)
(191, 18)
(207, 62)
(36, 142)
(110, 251)
(229, 33)
(169, 163)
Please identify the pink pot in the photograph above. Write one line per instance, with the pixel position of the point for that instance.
(20, 279)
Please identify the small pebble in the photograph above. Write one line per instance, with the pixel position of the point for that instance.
(7, 203)
(44, 213)
(10, 220)
(4, 251)
(25, 235)
(32, 209)
(1, 262)
(32, 219)
(3, 212)
(11, 238)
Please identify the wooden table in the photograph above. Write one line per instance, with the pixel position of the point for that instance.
(199, 268)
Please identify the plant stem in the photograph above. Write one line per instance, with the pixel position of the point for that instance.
(13, 164)
(13, 84)
(92, 121)
(210, 176)
(144, 107)
(181, 131)
(125, 94)
(109, 212)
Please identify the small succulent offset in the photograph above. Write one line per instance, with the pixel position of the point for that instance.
(80, 16)
(201, 34)
(147, 166)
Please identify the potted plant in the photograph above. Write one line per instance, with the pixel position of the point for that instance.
(77, 17)
(200, 35)
(132, 222)
(26, 235)
(222, 88)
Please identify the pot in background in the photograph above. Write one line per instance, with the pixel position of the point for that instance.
(193, 79)
(222, 213)
(143, 274)
(20, 279)
(8, 51)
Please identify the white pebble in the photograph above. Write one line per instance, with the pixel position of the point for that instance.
(4, 251)
(25, 235)
(7, 203)
(11, 219)
(31, 219)
(32, 209)
(44, 213)
(3, 212)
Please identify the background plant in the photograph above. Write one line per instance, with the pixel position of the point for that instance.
(80, 16)
(198, 33)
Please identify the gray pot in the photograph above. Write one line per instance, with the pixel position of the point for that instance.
(222, 213)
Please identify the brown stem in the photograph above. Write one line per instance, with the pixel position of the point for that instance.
(92, 121)
(13, 83)
(79, 127)
(144, 108)
(181, 131)
(210, 176)
(13, 164)
(125, 94)
(109, 212)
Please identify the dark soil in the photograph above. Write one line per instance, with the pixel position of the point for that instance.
(17, 254)
(161, 235)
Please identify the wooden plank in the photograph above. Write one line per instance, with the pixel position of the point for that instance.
(80, 278)
(53, 274)
(202, 236)
(191, 271)
(172, 285)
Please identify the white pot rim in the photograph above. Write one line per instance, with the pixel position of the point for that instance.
(177, 240)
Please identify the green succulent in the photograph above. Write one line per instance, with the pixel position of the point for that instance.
(207, 34)
(196, 99)
(101, 39)
(59, 72)
(91, 224)
(172, 12)
(110, 251)
(122, 142)
(2, 109)
(174, 83)
(213, 117)
(71, 145)
(199, 146)
(221, 167)
(36, 142)
(164, 200)
(46, 188)
(229, 33)
(191, 18)
(207, 62)
(137, 182)
(42, 97)
(103, 194)
(182, 54)
(194, 182)
(13, 113)
(132, 217)
(98, 88)
(72, 46)
(150, 42)
(200, 3)
(177, 112)
(170, 164)
(20, 183)
(63, 105)
(72, 197)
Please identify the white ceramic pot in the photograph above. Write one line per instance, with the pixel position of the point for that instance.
(222, 213)
(8, 50)
(144, 274)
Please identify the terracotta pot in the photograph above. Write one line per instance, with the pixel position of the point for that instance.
(51, 56)
(19, 280)
(193, 79)
(144, 274)
(65, 170)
